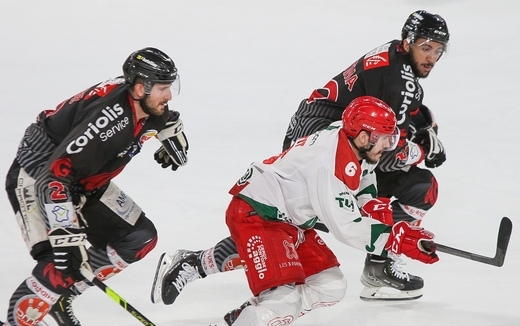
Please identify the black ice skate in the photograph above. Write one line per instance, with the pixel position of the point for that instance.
(384, 279)
(232, 316)
(173, 273)
(62, 311)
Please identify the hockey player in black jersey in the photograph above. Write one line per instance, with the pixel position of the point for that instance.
(60, 187)
(390, 72)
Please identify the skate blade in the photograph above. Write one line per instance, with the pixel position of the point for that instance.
(388, 294)
(162, 267)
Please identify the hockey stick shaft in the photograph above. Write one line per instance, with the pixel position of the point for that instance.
(504, 234)
(85, 271)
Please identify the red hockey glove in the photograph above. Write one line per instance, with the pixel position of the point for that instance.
(379, 209)
(406, 239)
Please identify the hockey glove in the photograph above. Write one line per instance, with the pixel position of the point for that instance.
(406, 239)
(68, 246)
(174, 150)
(433, 148)
(379, 209)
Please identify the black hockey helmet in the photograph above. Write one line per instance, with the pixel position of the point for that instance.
(424, 24)
(150, 64)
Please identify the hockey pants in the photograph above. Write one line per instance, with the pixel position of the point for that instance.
(415, 192)
(116, 239)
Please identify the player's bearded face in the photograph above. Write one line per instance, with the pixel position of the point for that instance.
(374, 155)
(379, 143)
(156, 101)
(424, 53)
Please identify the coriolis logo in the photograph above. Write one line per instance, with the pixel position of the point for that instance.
(409, 93)
(97, 128)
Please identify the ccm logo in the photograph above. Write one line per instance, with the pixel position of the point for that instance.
(74, 240)
(397, 241)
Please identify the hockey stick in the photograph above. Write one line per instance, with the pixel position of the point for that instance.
(85, 271)
(504, 233)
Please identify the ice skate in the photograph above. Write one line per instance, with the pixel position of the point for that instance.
(173, 273)
(384, 279)
(232, 316)
(62, 311)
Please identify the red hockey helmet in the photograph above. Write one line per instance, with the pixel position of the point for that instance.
(373, 116)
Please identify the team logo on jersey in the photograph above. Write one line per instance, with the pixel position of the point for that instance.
(243, 180)
(62, 167)
(376, 58)
(105, 87)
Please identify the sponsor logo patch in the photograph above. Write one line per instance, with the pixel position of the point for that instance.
(377, 58)
(256, 252)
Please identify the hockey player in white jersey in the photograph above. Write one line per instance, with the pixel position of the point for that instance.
(390, 72)
(324, 177)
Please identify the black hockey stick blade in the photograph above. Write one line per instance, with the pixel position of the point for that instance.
(85, 271)
(504, 234)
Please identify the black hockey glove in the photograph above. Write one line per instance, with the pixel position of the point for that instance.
(68, 246)
(174, 149)
(164, 159)
(434, 154)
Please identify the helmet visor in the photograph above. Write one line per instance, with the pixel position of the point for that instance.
(431, 47)
(175, 86)
(385, 141)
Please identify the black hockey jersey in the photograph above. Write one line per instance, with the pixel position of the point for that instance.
(385, 73)
(86, 141)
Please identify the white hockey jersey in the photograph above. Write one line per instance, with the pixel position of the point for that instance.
(318, 179)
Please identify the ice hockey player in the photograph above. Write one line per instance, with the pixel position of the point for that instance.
(390, 72)
(60, 187)
(275, 205)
